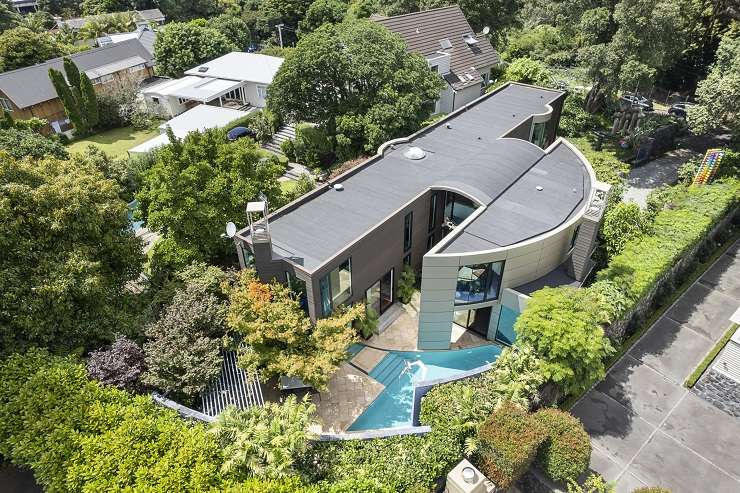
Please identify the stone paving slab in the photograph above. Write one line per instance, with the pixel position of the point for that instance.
(704, 310)
(348, 394)
(652, 431)
(613, 428)
(368, 358)
(641, 389)
(666, 463)
(672, 349)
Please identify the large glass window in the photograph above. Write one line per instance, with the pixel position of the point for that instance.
(478, 282)
(458, 208)
(574, 237)
(433, 212)
(538, 134)
(407, 228)
(336, 287)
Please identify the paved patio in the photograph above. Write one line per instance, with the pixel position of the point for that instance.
(661, 171)
(649, 430)
(349, 392)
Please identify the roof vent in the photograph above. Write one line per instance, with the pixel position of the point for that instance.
(202, 69)
(539, 188)
(445, 43)
(449, 126)
(414, 153)
(338, 187)
(470, 39)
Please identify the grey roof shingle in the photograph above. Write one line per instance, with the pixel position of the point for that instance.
(31, 85)
(467, 151)
(423, 32)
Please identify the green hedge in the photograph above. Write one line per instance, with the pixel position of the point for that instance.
(76, 435)
(507, 444)
(566, 452)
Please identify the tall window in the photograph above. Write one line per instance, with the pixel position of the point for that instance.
(433, 211)
(336, 287)
(478, 282)
(407, 227)
(538, 134)
(457, 207)
(574, 237)
(5, 103)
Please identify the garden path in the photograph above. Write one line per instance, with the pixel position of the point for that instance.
(646, 428)
(661, 171)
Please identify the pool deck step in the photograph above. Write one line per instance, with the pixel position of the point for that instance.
(388, 370)
(368, 358)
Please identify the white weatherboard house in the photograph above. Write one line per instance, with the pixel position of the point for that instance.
(197, 119)
(235, 80)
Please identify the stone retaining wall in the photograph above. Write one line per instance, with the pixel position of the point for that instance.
(720, 391)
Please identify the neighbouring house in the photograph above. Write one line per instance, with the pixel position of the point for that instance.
(197, 119)
(24, 6)
(142, 18)
(486, 204)
(144, 34)
(236, 80)
(28, 92)
(444, 37)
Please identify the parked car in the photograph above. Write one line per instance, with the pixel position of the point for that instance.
(679, 109)
(239, 132)
(637, 100)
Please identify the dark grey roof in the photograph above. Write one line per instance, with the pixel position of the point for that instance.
(470, 155)
(150, 15)
(423, 32)
(31, 85)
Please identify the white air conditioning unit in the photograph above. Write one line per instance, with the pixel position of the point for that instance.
(465, 478)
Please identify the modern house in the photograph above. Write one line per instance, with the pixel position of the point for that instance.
(444, 37)
(28, 92)
(235, 80)
(197, 119)
(487, 204)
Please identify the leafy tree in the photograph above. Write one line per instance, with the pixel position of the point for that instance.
(63, 8)
(97, 7)
(280, 338)
(575, 121)
(183, 45)
(719, 94)
(288, 12)
(528, 71)
(564, 326)
(77, 95)
(322, 12)
(9, 18)
(20, 47)
(20, 143)
(68, 251)
(362, 9)
(100, 25)
(120, 365)
(537, 43)
(357, 81)
(234, 28)
(623, 223)
(196, 186)
(264, 441)
(566, 452)
(182, 355)
(183, 10)
(593, 484)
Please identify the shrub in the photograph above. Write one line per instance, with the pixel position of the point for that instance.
(120, 365)
(406, 284)
(566, 452)
(508, 443)
(21, 143)
(288, 148)
(312, 146)
(564, 326)
(528, 71)
(574, 120)
(367, 326)
(623, 223)
(593, 484)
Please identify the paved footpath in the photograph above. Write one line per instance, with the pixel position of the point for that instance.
(661, 171)
(649, 430)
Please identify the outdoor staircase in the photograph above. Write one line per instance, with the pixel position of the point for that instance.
(284, 133)
(388, 370)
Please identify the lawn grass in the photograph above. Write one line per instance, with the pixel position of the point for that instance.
(610, 163)
(115, 142)
(699, 371)
(664, 306)
(288, 185)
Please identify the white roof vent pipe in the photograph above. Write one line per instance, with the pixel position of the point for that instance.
(338, 187)
(414, 153)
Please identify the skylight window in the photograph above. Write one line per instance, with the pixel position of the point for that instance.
(445, 43)
(202, 69)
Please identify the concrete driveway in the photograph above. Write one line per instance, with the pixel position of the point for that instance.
(649, 430)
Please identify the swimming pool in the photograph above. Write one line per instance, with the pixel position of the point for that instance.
(399, 370)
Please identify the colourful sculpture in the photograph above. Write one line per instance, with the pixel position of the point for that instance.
(709, 166)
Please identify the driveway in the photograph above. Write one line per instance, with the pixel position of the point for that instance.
(661, 171)
(649, 430)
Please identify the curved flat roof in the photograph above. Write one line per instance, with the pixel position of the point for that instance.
(465, 152)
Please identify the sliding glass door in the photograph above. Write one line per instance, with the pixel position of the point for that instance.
(380, 295)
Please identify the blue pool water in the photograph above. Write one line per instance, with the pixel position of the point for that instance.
(506, 332)
(135, 225)
(392, 408)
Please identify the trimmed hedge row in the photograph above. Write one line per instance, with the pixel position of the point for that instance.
(566, 451)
